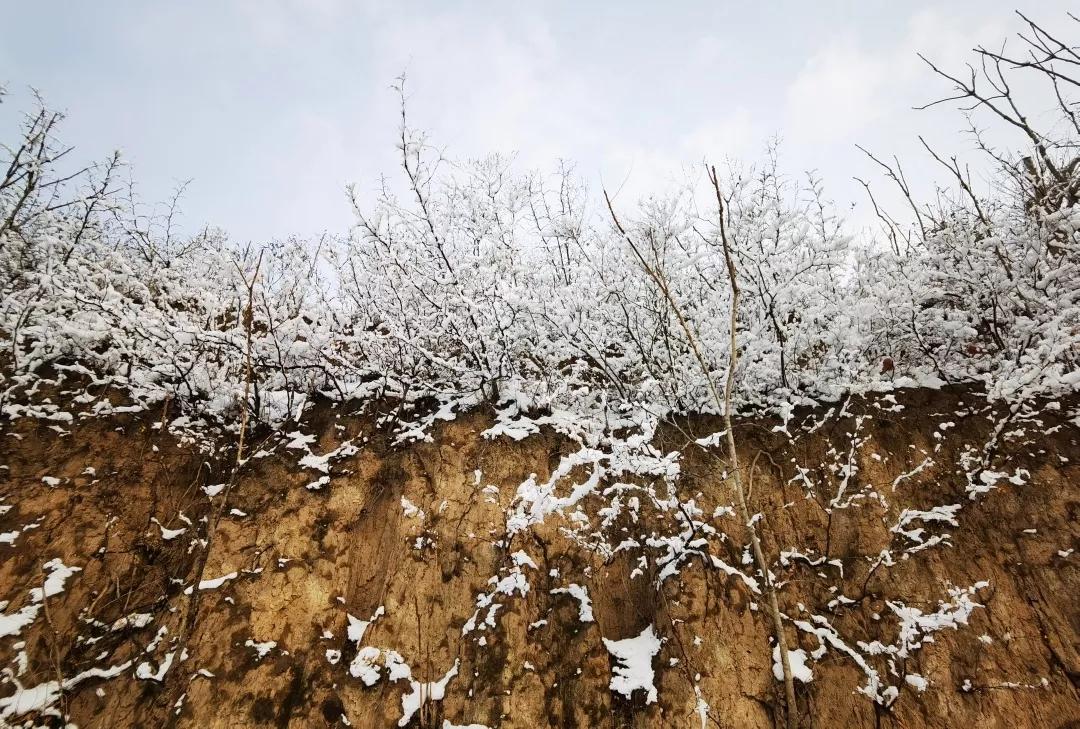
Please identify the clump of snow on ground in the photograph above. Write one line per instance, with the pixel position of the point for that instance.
(800, 671)
(634, 670)
(581, 594)
(422, 692)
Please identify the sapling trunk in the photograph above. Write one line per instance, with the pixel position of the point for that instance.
(723, 402)
(736, 478)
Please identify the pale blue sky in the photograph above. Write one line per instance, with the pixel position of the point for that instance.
(272, 107)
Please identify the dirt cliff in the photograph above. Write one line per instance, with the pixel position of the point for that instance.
(147, 602)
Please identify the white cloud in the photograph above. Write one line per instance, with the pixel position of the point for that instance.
(845, 87)
(487, 84)
(272, 105)
(836, 93)
(733, 135)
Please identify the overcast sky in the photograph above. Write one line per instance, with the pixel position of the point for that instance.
(271, 108)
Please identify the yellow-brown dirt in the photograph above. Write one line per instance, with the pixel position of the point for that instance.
(307, 558)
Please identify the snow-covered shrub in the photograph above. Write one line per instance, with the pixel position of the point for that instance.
(474, 283)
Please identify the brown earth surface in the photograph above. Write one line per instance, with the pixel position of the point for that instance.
(305, 559)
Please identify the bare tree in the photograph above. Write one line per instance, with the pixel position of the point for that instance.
(723, 403)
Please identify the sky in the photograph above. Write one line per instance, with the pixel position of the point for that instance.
(271, 107)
